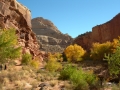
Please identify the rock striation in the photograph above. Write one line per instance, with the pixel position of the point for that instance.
(50, 38)
(100, 33)
(14, 15)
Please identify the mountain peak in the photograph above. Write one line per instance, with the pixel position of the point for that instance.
(42, 23)
(50, 38)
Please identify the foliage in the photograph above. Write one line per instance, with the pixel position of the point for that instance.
(78, 79)
(58, 56)
(34, 64)
(98, 50)
(67, 71)
(90, 78)
(74, 52)
(114, 59)
(52, 64)
(81, 80)
(8, 45)
(26, 59)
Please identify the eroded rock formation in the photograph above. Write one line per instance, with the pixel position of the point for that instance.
(100, 33)
(15, 15)
(50, 38)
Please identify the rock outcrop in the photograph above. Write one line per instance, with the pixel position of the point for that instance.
(50, 38)
(15, 15)
(100, 33)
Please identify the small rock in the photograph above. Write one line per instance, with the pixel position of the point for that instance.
(43, 84)
(46, 88)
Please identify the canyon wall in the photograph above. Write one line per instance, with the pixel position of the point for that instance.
(14, 15)
(100, 33)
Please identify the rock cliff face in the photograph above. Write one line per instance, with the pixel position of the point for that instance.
(15, 15)
(100, 33)
(50, 38)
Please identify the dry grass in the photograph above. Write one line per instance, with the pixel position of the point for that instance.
(28, 78)
(17, 79)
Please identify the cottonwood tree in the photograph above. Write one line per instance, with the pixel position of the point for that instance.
(98, 50)
(8, 45)
(74, 53)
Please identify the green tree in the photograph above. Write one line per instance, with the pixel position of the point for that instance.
(114, 60)
(8, 45)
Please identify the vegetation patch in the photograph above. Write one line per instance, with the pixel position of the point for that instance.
(80, 79)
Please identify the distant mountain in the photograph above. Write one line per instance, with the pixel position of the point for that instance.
(50, 38)
(100, 33)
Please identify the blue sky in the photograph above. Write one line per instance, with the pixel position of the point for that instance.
(74, 17)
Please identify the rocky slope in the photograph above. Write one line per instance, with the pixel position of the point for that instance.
(15, 15)
(50, 38)
(100, 33)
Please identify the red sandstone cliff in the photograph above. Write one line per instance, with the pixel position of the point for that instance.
(100, 33)
(15, 15)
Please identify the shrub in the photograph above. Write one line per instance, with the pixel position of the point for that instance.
(67, 71)
(82, 85)
(34, 64)
(113, 59)
(98, 50)
(52, 64)
(114, 62)
(91, 78)
(74, 53)
(80, 79)
(26, 59)
(58, 56)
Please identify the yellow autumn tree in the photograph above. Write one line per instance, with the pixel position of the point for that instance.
(116, 43)
(99, 50)
(74, 52)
